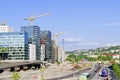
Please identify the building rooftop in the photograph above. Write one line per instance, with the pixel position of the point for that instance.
(4, 28)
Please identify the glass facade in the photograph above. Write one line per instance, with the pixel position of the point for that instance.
(46, 36)
(33, 37)
(14, 46)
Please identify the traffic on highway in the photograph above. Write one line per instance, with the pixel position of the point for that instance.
(99, 72)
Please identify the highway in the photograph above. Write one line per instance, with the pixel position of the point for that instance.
(92, 71)
(30, 73)
(111, 74)
(92, 74)
(78, 73)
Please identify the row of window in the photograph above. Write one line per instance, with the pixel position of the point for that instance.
(16, 56)
(16, 59)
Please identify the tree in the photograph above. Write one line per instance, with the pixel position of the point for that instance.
(105, 58)
(92, 59)
(42, 70)
(58, 62)
(16, 76)
(116, 69)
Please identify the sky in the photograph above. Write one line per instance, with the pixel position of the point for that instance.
(86, 24)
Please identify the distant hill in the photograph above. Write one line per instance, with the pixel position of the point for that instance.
(101, 50)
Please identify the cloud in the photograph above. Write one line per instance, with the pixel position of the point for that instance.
(112, 24)
(94, 43)
(112, 44)
(73, 40)
(79, 43)
(89, 44)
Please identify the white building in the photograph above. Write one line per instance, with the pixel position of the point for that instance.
(42, 52)
(115, 56)
(4, 28)
(32, 51)
(61, 54)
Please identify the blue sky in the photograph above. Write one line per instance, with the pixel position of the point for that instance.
(87, 23)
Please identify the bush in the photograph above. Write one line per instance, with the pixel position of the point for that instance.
(116, 69)
(58, 62)
(16, 76)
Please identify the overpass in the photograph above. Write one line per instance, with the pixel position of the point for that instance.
(17, 66)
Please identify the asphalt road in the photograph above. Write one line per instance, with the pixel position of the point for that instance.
(92, 74)
(77, 75)
(68, 76)
(112, 74)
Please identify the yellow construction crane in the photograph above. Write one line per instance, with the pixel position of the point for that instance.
(32, 18)
(3, 23)
(57, 35)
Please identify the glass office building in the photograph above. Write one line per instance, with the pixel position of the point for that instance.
(14, 46)
(46, 36)
(33, 37)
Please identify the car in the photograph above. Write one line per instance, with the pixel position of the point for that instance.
(104, 73)
(86, 74)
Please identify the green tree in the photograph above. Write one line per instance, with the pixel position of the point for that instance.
(42, 70)
(16, 76)
(75, 58)
(116, 69)
(72, 58)
(92, 59)
(58, 62)
(104, 58)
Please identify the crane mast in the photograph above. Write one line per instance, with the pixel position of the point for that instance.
(57, 35)
(3, 23)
